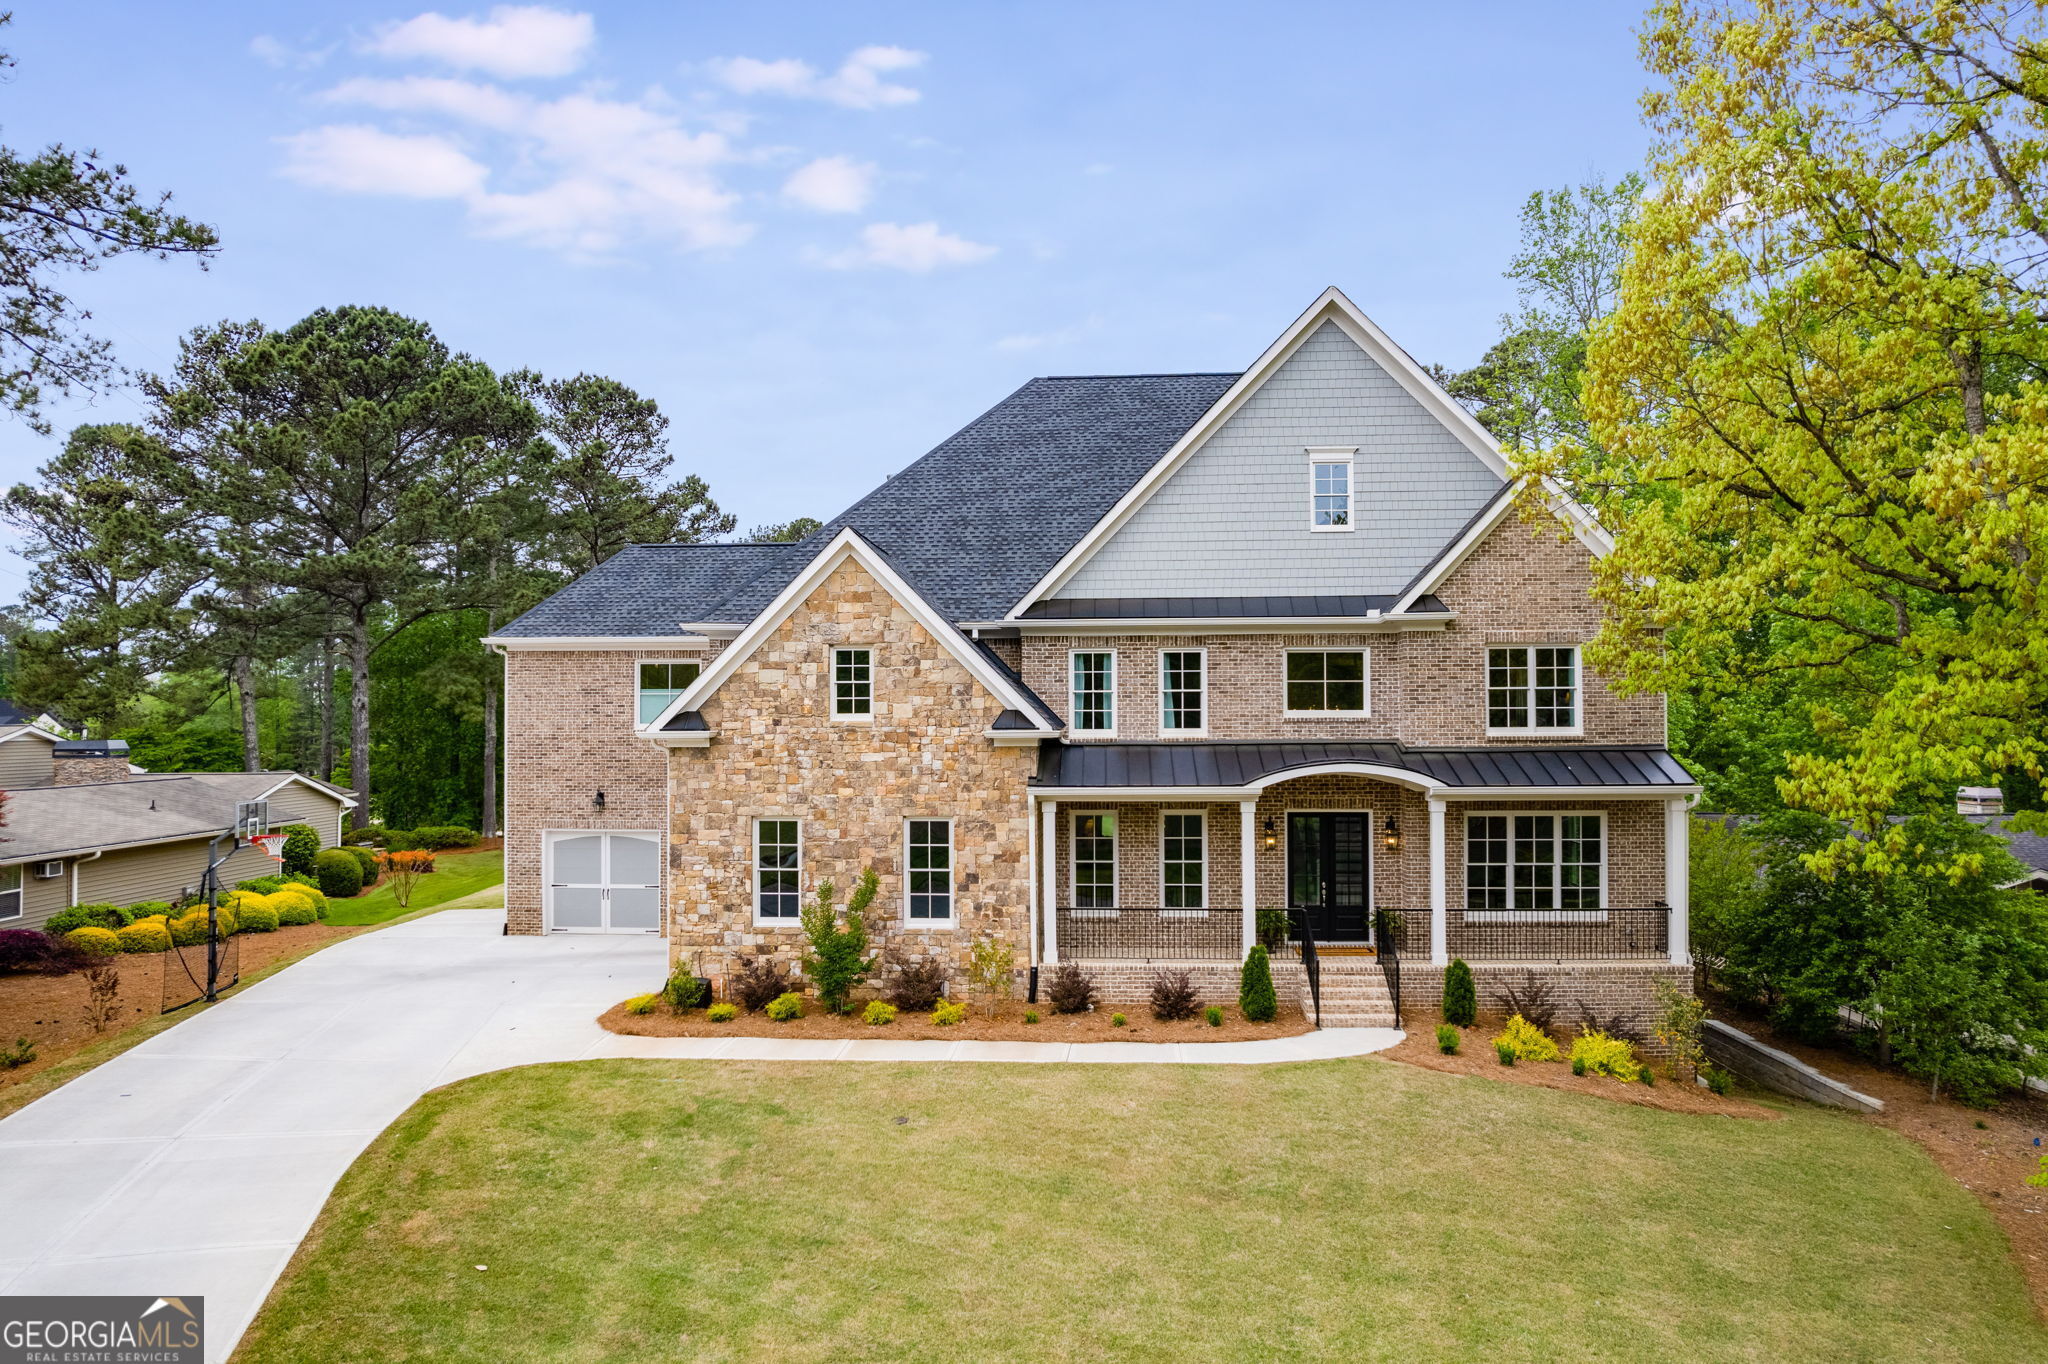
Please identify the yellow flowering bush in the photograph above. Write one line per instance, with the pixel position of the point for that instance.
(1527, 1041)
(1595, 1053)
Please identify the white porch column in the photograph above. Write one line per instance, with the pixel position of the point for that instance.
(1439, 924)
(1248, 870)
(1049, 841)
(1678, 876)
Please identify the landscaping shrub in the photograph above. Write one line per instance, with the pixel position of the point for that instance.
(1647, 1076)
(991, 972)
(302, 878)
(369, 833)
(341, 875)
(94, 941)
(398, 840)
(1532, 1001)
(366, 861)
(1598, 1053)
(102, 986)
(1461, 995)
(142, 909)
(144, 935)
(1255, 997)
(784, 1007)
(190, 930)
(722, 1012)
(1529, 1042)
(308, 894)
(917, 985)
(260, 885)
(249, 919)
(1448, 1038)
(1173, 996)
(1716, 1079)
(1272, 928)
(642, 1004)
(295, 913)
(1214, 1015)
(1117, 1020)
(1617, 1024)
(1681, 1019)
(878, 1013)
(31, 949)
(1070, 990)
(301, 846)
(20, 1054)
(948, 1012)
(87, 916)
(402, 871)
(758, 982)
(436, 837)
(836, 959)
(1504, 1051)
(685, 990)
(1031, 1015)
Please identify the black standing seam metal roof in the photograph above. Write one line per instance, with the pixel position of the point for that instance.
(1232, 765)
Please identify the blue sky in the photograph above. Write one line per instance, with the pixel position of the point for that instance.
(824, 236)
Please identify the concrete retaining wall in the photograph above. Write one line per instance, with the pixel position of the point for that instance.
(1736, 1050)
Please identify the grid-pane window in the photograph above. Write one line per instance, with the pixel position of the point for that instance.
(776, 857)
(1332, 497)
(661, 683)
(1532, 688)
(1326, 681)
(853, 682)
(10, 892)
(930, 848)
(1093, 703)
(1180, 689)
(1094, 861)
(1535, 862)
(1185, 874)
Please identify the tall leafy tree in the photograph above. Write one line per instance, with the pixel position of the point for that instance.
(788, 532)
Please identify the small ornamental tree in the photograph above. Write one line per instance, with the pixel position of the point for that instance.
(402, 871)
(1461, 996)
(837, 958)
(1680, 1019)
(301, 846)
(991, 971)
(1255, 997)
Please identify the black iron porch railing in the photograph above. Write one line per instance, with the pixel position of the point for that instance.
(1302, 934)
(1387, 933)
(1150, 934)
(1534, 935)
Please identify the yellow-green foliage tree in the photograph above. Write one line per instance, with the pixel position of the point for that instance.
(1820, 404)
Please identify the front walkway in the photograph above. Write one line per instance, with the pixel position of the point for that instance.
(195, 1162)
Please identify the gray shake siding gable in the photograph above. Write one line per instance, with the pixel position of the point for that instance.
(1233, 519)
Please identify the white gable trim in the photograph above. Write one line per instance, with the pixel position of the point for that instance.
(347, 802)
(847, 545)
(1332, 306)
(1581, 522)
(25, 730)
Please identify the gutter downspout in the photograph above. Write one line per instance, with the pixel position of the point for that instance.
(92, 856)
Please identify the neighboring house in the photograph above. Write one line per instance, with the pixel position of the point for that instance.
(91, 832)
(1123, 661)
(1985, 806)
(12, 715)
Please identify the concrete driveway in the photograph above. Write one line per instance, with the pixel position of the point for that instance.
(194, 1163)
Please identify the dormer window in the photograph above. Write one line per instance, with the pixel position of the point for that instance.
(1329, 468)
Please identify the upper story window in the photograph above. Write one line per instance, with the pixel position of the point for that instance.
(778, 855)
(1328, 682)
(1534, 861)
(1183, 676)
(929, 884)
(1329, 470)
(853, 684)
(1091, 698)
(1530, 688)
(661, 683)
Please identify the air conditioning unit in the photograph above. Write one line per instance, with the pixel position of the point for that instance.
(49, 871)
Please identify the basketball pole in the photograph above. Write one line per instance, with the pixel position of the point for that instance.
(214, 858)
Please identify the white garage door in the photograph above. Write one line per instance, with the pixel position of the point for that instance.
(604, 883)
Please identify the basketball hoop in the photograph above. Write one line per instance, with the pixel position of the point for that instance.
(272, 845)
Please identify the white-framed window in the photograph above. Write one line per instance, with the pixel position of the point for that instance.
(928, 878)
(1325, 682)
(1183, 691)
(1329, 474)
(778, 865)
(661, 682)
(1091, 691)
(1516, 861)
(1184, 859)
(853, 684)
(1095, 860)
(1532, 688)
(10, 892)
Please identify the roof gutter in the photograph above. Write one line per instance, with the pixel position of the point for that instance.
(1113, 625)
(1438, 793)
(699, 637)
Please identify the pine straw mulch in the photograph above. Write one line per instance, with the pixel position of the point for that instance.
(1475, 1057)
(50, 1010)
(1007, 1026)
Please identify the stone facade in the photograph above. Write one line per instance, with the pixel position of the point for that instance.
(778, 753)
(83, 769)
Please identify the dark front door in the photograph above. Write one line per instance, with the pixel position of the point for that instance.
(1329, 871)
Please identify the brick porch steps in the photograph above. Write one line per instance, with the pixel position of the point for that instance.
(1354, 989)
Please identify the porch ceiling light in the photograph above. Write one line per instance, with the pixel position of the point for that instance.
(1391, 835)
(1272, 838)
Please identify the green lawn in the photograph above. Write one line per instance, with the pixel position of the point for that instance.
(455, 875)
(643, 1210)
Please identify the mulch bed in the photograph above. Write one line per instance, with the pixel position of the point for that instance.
(1990, 1151)
(1007, 1026)
(50, 1010)
(1475, 1057)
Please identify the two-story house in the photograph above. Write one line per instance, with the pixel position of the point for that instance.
(1123, 662)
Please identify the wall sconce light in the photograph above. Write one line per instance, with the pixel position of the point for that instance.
(1391, 835)
(598, 801)
(1272, 839)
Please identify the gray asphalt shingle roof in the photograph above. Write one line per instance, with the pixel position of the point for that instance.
(1236, 765)
(57, 821)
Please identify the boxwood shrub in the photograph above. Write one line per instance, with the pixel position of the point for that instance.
(94, 941)
(341, 875)
(88, 916)
(251, 919)
(144, 935)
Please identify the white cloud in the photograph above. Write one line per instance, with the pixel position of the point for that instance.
(356, 159)
(831, 184)
(917, 248)
(515, 40)
(274, 52)
(857, 84)
(489, 105)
